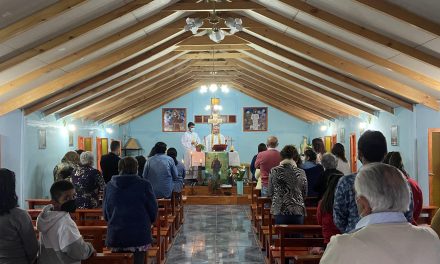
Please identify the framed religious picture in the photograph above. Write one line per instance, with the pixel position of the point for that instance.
(41, 138)
(173, 119)
(394, 135)
(255, 119)
(342, 135)
(70, 138)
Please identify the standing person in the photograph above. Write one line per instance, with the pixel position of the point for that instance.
(141, 164)
(109, 162)
(18, 243)
(60, 240)
(214, 138)
(383, 235)
(161, 172)
(394, 158)
(261, 147)
(189, 140)
(178, 185)
(372, 147)
(129, 208)
(64, 170)
(88, 182)
(288, 189)
(329, 163)
(324, 212)
(319, 148)
(266, 160)
(343, 165)
(314, 173)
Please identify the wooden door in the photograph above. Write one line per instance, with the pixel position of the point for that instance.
(353, 153)
(88, 144)
(80, 142)
(101, 149)
(434, 166)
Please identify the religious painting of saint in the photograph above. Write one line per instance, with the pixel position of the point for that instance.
(255, 119)
(217, 165)
(173, 119)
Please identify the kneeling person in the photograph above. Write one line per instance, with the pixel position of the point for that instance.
(60, 240)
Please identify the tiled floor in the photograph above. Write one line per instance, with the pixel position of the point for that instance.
(215, 234)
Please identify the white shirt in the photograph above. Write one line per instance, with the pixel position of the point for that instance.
(214, 139)
(189, 137)
(343, 167)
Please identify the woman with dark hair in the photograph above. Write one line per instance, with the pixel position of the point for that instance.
(314, 172)
(153, 152)
(141, 163)
(178, 185)
(64, 169)
(394, 159)
(343, 165)
(18, 243)
(319, 148)
(261, 147)
(129, 208)
(324, 212)
(288, 189)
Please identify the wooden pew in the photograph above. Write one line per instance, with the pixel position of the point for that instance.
(32, 203)
(285, 247)
(95, 235)
(157, 249)
(310, 218)
(262, 218)
(427, 214)
(110, 258)
(254, 195)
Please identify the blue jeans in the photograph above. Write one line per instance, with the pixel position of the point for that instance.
(264, 190)
(290, 220)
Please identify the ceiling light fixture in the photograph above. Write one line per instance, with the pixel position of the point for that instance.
(216, 34)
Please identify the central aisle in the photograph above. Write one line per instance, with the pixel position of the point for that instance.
(215, 234)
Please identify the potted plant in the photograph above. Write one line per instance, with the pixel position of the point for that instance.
(200, 147)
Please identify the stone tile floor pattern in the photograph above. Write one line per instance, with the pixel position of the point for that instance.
(215, 234)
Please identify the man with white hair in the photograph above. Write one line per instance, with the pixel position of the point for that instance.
(383, 235)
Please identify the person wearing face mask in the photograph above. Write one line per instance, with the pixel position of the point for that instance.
(383, 234)
(60, 240)
(189, 141)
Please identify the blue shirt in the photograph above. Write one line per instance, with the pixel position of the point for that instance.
(178, 185)
(161, 172)
(345, 212)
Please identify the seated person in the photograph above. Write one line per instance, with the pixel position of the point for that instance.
(60, 240)
(383, 235)
(18, 243)
(130, 208)
(161, 172)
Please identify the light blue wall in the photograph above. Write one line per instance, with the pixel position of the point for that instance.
(148, 128)
(39, 163)
(11, 136)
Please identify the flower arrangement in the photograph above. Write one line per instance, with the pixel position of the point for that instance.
(200, 147)
(237, 173)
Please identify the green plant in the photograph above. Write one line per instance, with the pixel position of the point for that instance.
(237, 173)
(201, 147)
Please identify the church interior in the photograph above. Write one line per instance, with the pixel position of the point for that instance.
(213, 79)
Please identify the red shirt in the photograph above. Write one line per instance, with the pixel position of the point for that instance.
(266, 160)
(328, 226)
(417, 198)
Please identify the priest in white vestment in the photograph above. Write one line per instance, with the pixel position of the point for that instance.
(189, 141)
(214, 138)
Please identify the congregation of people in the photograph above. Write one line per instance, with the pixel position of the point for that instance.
(368, 216)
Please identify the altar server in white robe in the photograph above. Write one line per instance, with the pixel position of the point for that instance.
(189, 141)
(214, 138)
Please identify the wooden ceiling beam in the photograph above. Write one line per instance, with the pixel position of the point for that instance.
(381, 81)
(419, 77)
(38, 18)
(285, 98)
(115, 92)
(211, 63)
(216, 68)
(104, 107)
(335, 75)
(86, 71)
(279, 76)
(224, 47)
(204, 40)
(140, 102)
(111, 86)
(73, 34)
(207, 7)
(60, 96)
(153, 105)
(76, 56)
(332, 86)
(206, 56)
(362, 31)
(396, 11)
(288, 109)
(305, 98)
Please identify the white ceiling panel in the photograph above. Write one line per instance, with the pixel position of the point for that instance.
(279, 8)
(5, 50)
(431, 47)
(18, 70)
(428, 9)
(151, 8)
(14, 10)
(374, 20)
(418, 66)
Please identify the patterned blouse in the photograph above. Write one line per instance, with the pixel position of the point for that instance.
(88, 183)
(288, 188)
